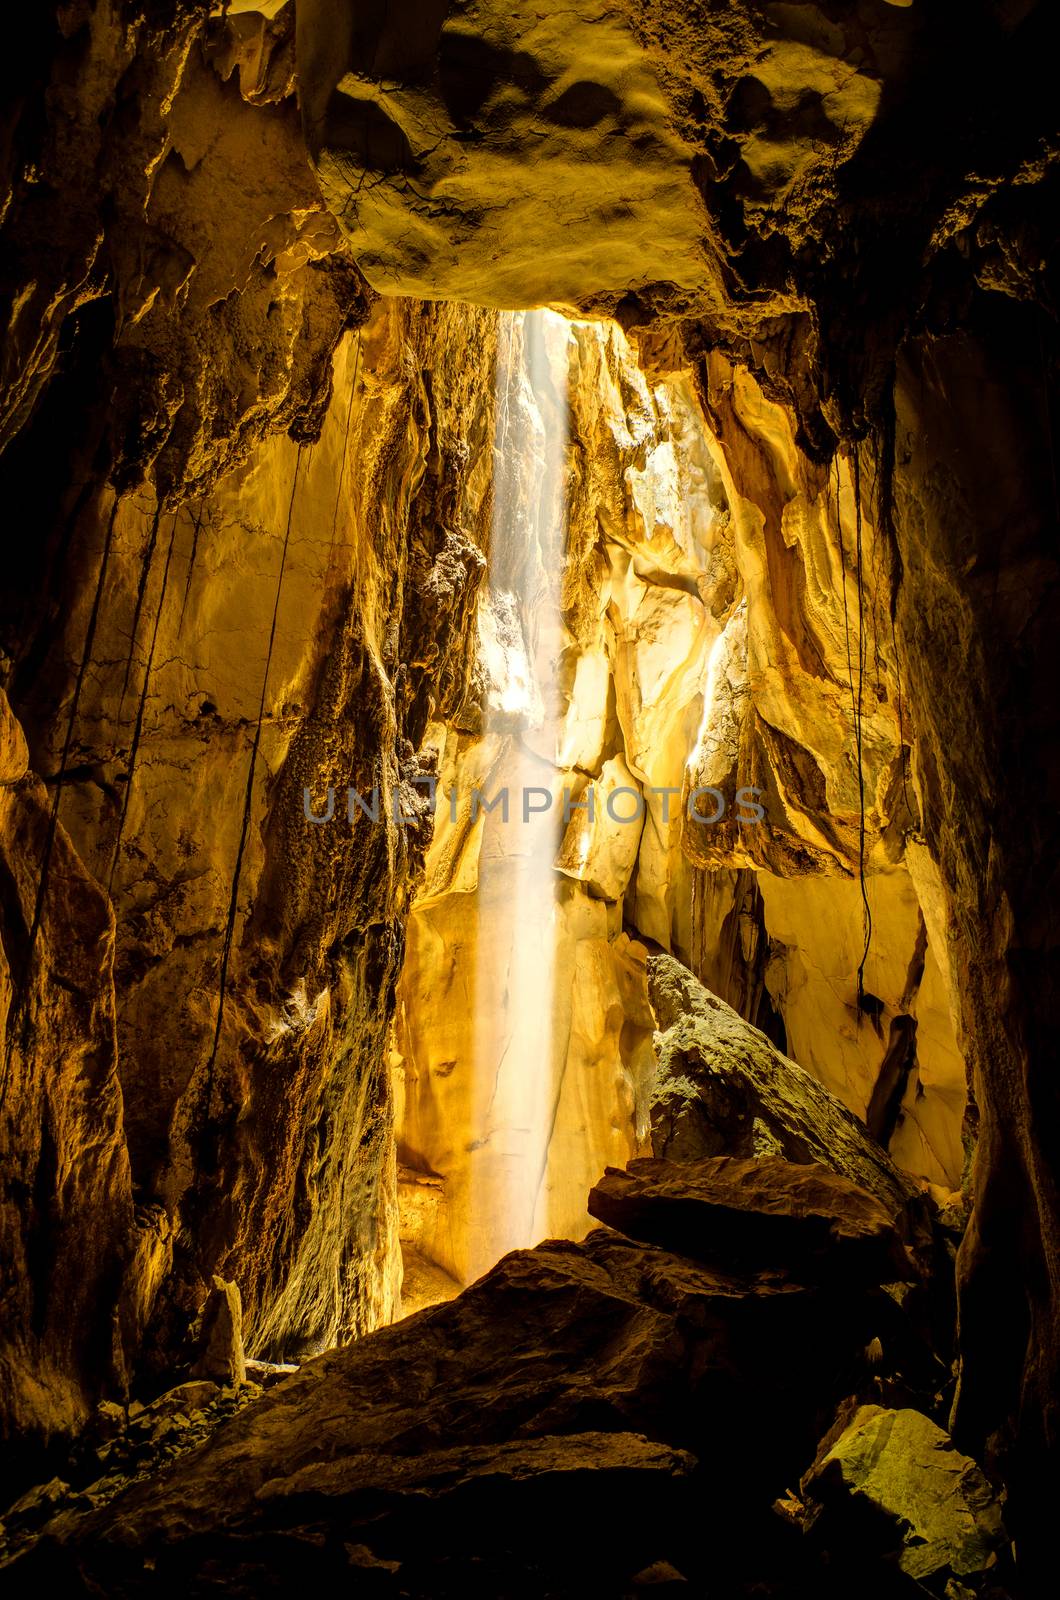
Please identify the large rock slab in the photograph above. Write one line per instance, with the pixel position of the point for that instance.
(221, 1355)
(802, 1220)
(420, 122)
(722, 1088)
(894, 1480)
(421, 117)
(467, 1449)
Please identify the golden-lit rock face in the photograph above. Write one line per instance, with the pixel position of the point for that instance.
(212, 330)
(420, 121)
(67, 1217)
(513, 155)
(689, 658)
(816, 927)
(275, 636)
(310, 633)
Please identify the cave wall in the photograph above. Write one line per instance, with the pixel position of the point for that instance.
(270, 637)
(710, 635)
(974, 497)
(877, 226)
(251, 576)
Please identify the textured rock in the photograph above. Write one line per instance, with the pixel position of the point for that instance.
(221, 1357)
(801, 1220)
(680, 633)
(121, 1446)
(809, 671)
(815, 927)
(165, 206)
(978, 455)
(186, 1397)
(67, 1228)
(439, 110)
(600, 851)
(721, 1087)
(315, 928)
(630, 641)
(841, 222)
(939, 1512)
(173, 291)
(275, 1090)
(575, 1381)
(424, 1212)
(14, 756)
(807, 701)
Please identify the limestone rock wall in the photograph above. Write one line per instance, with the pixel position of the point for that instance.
(974, 500)
(67, 1222)
(254, 551)
(811, 705)
(273, 636)
(712, 620)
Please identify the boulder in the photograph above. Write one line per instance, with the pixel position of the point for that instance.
(803, 1221)
(14, 756)
(222, 1358)
(894, 1482)
(610, 1385)
(722, 1088)
(186, 1397)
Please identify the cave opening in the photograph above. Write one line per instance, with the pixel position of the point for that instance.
(614, 647)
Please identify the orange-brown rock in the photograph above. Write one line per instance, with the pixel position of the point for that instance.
(467, 1449)
(722, 1088)
(799, 1219)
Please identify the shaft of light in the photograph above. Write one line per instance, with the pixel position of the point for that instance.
(521, 635)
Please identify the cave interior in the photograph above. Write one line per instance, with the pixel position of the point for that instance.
(529, 793)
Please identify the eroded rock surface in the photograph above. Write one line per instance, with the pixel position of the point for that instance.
(688, 656)
(462, 1450)
(834, 232)
(797, 1219)
(212, 1065)
(721, 1088)
(892, 1481)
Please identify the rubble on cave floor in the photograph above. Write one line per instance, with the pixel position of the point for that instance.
(122, 1446)
(652, 1408)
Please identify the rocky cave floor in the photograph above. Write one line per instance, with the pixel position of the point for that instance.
(738, 1385)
